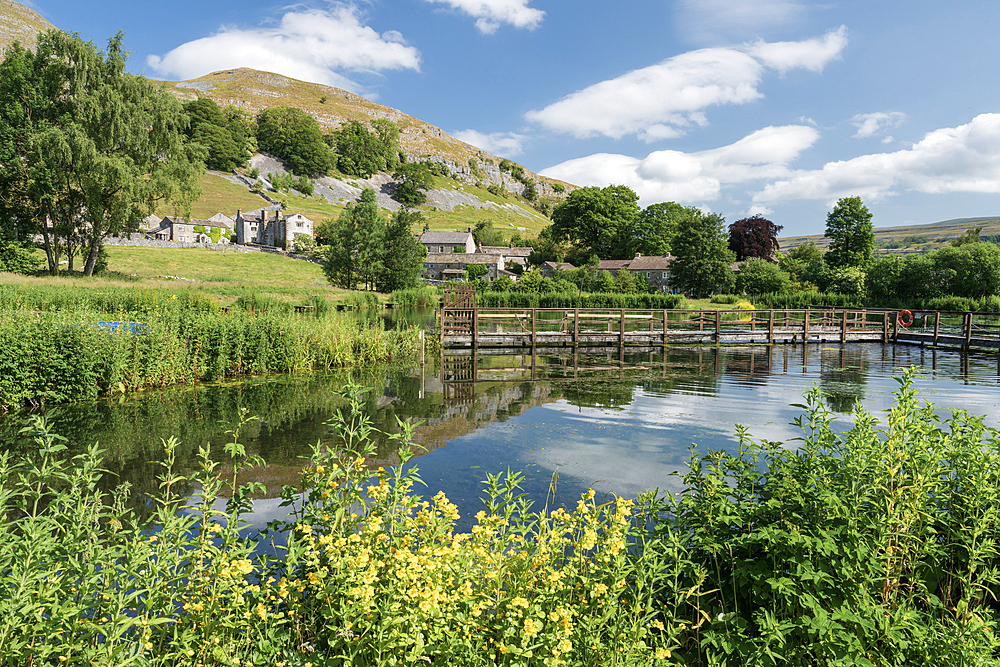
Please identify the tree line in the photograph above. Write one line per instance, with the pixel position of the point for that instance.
(744, 257)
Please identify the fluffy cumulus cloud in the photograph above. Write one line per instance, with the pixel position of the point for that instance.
(663, 100)
(504, 144)
(811, 54)
(870, 124)
(693, 177)
(960, 159)
(312, 45)
(491, 14)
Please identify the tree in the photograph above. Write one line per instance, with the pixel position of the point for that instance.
(849, 227)
(976, 268)
(970, 236)
(596, 221)
(625, 282)
(354, 253)
(402, 253)
(413, 179)
(759, 276)
(655, 229)
(473, 271)
(486, 234)
(95, 148)
(755, 236)
(362, 153)
(603, 282)
(702, 258)
(294, 136)
(883, 279)
(223, 135)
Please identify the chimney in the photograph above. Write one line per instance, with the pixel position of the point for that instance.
(637, 255)
(470, 229)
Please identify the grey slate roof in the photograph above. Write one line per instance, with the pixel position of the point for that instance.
(444, 237)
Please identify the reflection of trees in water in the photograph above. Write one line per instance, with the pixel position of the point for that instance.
(749, 366)
(593, 393)
(843, 377)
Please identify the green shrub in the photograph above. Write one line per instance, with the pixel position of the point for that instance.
(726, 298)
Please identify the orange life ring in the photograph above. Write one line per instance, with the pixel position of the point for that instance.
(905, 318)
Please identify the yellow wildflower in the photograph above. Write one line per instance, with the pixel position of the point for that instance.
(662, 653)
(532, 627)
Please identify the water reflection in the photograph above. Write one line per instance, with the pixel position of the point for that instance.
(620, 423)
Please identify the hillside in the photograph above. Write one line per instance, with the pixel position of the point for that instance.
(911, 238)
(455, 202)
(20, 24)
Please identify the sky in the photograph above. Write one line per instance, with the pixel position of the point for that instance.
(741, 107)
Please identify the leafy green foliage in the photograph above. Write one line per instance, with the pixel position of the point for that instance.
(294, 136)
(702, 258)
(355, 251)
(402, 253)
(596, 221)
(18, 258)
(363, 153)
(225, 135)
(656, 227)
(413, 180)
(851, 233)
(759, 276)
(78, 134)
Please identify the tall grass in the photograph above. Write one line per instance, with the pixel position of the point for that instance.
(417, 297)
(874, 547)
(51, 357)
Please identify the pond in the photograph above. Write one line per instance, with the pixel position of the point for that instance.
(570, 422)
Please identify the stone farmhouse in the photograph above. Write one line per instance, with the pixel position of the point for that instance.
(217, 229)
(548, 269)
(270, 228)
(451, 265)
(445, 242)
(512, 255)
(656, 270)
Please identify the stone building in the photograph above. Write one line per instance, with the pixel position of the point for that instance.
(656, 269)
(445, 242)
(271, 227)
(451, 265)
(217, 229)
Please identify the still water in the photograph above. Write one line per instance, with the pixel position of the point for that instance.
(617, 424)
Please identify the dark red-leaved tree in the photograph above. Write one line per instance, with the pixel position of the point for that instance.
(754, 237)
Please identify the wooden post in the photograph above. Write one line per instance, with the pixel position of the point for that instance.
(937, 324)
(843, 326)
(475, 326)
(621, 328)
(701, 320)
(770, 327)
(895, 328)
(576, 327)
(664, 331)
(968, 330)
(805, 327)
(885, 327)
(718, 326)
(533, 311)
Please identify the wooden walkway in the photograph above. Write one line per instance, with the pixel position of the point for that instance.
(465, 326)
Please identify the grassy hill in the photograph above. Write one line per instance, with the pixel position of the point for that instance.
(911, 238)
(20, 24)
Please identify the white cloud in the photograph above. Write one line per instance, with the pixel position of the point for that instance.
(504, 144)
(490, 14)
(705, 21)
(959, 159)
(870, 124)
(311, 45)
(693, 177)
(661, 101)
(811, 54)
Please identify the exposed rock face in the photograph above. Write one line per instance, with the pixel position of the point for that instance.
(20, 24)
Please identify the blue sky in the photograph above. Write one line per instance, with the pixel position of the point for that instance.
(776, 107)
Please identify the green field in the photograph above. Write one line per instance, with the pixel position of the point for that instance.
(218, 195)
(224, 274)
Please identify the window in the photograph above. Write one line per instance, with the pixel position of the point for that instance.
(298, 224)
(440, 248)
(648, 275)
(180, 228)
(665, 275)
